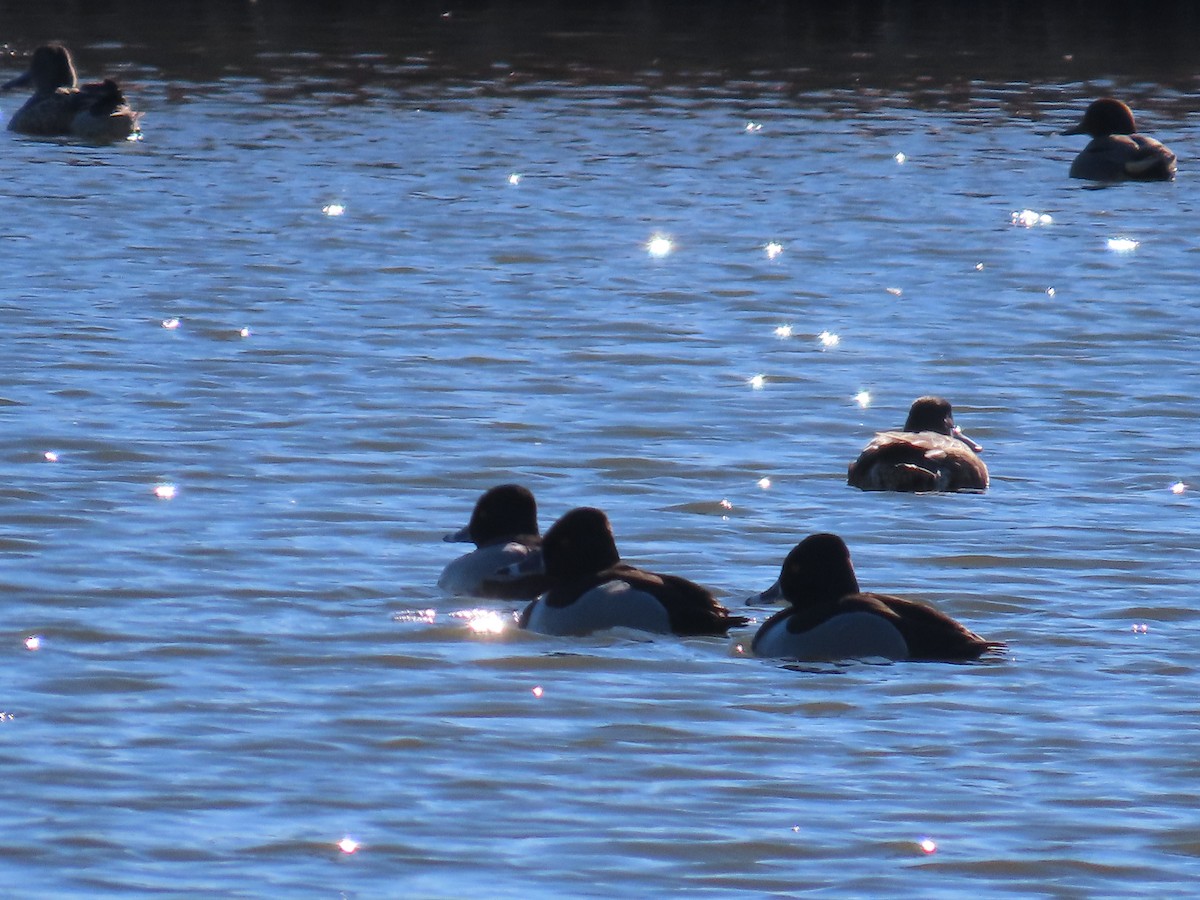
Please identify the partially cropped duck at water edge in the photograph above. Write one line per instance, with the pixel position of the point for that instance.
(828, 618)
(61, 107)
(931, 453)
(594, 590)
(504, 530)
(1116, 151)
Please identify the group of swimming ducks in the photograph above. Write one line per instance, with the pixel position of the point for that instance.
(99, 112)
(573, 576)
(576, 583)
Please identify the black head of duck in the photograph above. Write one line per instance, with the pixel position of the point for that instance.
(818, 570)
(580, 544)
(50, 68)
(931, 453)
(1117, 152)
(500, 513)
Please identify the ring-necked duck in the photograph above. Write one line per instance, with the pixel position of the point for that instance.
(594, 590)
(930, 454)
(95, 112)
(504, 530)
(1117, 152)
(828, 618)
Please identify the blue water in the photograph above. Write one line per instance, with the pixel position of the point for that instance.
(276, 349)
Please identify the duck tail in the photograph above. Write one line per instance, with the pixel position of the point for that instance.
(108, 98)
(737, 621)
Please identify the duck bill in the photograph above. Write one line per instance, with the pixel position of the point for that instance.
(773, 594)
(533, 564)
(958, 433)
(19, 81)
(462, 536)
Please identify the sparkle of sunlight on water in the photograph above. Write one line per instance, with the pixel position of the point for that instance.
(259, 362)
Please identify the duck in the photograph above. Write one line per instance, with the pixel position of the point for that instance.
(930, 453)
(828, 618)
(60, 106)
(504, 529)
(594, 590)
(1117, 152)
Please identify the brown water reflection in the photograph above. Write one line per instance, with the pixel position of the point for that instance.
(805, 46)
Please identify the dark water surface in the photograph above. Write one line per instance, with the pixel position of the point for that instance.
(363, 267)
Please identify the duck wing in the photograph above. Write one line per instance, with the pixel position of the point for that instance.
(1124, 157)
(1151, 161)
(917, 461)
(929, 633)
(103, 113)
(692, 609)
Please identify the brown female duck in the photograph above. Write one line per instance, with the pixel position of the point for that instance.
(1117, 152)
(930, 454)
(60, 106)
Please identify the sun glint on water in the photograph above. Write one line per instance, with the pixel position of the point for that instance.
(1028, 218)
(659, 246)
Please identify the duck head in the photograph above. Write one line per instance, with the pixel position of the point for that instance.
(818, 570)
(502, 511)
(1105, 116)
(579, 544)
(934, 414)
(49, 69)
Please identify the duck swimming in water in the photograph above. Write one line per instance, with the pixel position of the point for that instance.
(1117, 152)
(504, 530)
(594, 590)
(829, 618)
(60, 106)
(930, 454)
